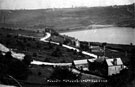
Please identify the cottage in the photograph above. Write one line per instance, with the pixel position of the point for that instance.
(96, 49)
(114, 66)
(77, 43)
(4, 49)
(81, 64)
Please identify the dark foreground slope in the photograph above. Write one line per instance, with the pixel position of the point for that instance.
(69, 18)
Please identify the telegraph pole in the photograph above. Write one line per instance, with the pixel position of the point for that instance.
(4, 15)
(3, 18)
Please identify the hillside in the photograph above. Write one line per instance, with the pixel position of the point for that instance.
(27, 42)
(69, 18)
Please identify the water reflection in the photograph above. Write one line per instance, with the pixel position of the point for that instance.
(117, 35)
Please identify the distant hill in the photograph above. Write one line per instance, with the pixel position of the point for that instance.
(67, 18)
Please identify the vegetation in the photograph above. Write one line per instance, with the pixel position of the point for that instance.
(69, 18)
(63, 75)
(37, 50)
(11, 67)
(34, 49)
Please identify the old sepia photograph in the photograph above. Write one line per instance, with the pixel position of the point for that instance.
(67, 43)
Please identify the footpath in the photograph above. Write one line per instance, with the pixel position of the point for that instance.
(44, 39)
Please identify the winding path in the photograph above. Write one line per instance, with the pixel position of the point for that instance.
(66, 46)
(20, 56)
(44, 39)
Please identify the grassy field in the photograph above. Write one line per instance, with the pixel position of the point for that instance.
(39, 50)
(52, 53)
(68, 18)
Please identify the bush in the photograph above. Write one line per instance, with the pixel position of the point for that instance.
(34, 54)
(27, 60)
(18, 69)
(62, 73)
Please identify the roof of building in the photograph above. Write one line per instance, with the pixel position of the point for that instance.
(84, 61)
(19, 56)
(14, 54)
(3, 48)
(1, 85)
(110, 61)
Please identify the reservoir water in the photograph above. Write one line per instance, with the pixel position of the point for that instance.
(115, 35)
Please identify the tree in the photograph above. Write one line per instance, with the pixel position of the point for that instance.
(63, 73)
(14, 67)
(104, 47)
(18, 69)
(46, 60)
(27, 60)
(35, 54)
(132, 64)
(8, 58)
(57, 52)
(1, 57)
(50, 45)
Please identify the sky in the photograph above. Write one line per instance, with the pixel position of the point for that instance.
(42, 4)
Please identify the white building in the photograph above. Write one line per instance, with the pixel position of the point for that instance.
(77, 43)
(1, 85)
(3, 48)
(81, 64)
(114, 66)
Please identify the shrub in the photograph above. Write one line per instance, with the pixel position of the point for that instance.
(27, 60)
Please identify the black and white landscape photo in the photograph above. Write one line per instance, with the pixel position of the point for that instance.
(67, 43)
